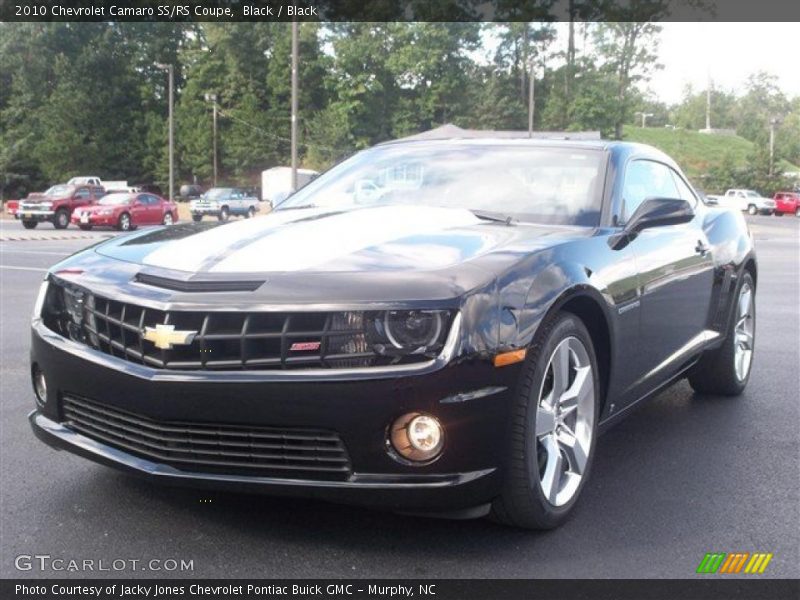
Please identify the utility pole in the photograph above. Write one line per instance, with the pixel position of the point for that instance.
(213, 99)
(772, 123)
(708, 103)
(170, 69)
(644, 117)
(294, 104)
(530, 98)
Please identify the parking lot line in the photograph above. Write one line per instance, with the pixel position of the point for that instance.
(15, 268)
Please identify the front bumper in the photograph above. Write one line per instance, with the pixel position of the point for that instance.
(467, 474)
(34, 215)
(94, 219)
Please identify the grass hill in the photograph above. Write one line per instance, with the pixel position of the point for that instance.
(696, 152)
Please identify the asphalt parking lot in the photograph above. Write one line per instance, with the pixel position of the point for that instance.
(684, 475)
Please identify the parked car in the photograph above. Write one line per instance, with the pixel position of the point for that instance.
(454, 346)
(126, 211)
(108, 186)
(222, 202)
(746, 200)
(190, 191)
(787, 203)
(11, 207)
(149, 188)
(56, 204)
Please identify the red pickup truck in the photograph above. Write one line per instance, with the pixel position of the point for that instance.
(787, 203)
(56, 204)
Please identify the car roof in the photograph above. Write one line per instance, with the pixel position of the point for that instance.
(620, 149)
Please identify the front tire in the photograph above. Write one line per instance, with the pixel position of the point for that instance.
(124, 222)
(84, 227)
(797, 212)
(224, 214)
(553, 428)
(30, 224)
(197, 218)
(725, 371)
(251, 212)
(752, 210)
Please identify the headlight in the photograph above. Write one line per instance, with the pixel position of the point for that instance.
(37, 307)
(412, 330)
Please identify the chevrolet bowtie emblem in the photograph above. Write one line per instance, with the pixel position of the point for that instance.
(165, 336)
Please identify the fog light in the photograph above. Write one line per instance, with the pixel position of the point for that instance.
(39, 386)
(417, 437)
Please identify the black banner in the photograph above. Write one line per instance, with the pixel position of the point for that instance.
(434, 589)
(398, 10)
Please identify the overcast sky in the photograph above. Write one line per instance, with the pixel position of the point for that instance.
(730, 51)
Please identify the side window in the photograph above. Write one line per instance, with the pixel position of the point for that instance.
(645, 179)
(684, 191)
(152, 199)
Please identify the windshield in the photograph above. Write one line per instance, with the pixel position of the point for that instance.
(58, 190)
(115, 199)
(536, 184)
(216, 193)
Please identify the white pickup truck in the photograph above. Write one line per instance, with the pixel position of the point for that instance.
(745, 200)
(108, 186)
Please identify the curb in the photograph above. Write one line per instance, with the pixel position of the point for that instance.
(45, 238)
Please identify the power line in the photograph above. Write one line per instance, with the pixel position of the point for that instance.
(226, 114)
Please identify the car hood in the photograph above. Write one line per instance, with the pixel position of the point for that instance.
(390, 238)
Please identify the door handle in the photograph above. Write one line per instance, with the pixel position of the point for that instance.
(701, 248)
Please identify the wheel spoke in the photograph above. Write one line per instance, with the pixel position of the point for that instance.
(576, 455)
(578, 392)
(744, 303)
(545, 421)
(560, 365)
(552, 471)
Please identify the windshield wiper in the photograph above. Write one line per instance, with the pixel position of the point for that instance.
(494, 217)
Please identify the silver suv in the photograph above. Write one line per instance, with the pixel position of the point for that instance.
(223, 202)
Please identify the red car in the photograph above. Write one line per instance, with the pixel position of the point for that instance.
(126, 211)
(787, 203)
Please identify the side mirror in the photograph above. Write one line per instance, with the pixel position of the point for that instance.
(653, 212)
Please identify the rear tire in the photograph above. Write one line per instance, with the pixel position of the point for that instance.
(797, 212)
(721, 371)
(552, 440)
(30, 224)
(61, 220)
(167, 220)
(251, 212)
(197, 218)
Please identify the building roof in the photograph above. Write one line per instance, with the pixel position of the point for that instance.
(450, 131)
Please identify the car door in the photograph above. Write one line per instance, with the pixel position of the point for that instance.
(139, 209)
(675, 276)
(154, 210)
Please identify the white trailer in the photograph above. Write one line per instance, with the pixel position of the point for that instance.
(276, 183)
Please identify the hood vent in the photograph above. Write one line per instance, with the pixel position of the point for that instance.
(179, 285)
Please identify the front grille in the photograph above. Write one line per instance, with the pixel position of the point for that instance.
(218, 340)
(206, 447)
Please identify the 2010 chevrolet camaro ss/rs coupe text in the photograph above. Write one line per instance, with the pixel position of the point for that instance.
(436, 326)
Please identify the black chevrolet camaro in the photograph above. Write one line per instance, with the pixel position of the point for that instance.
(431, 327)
